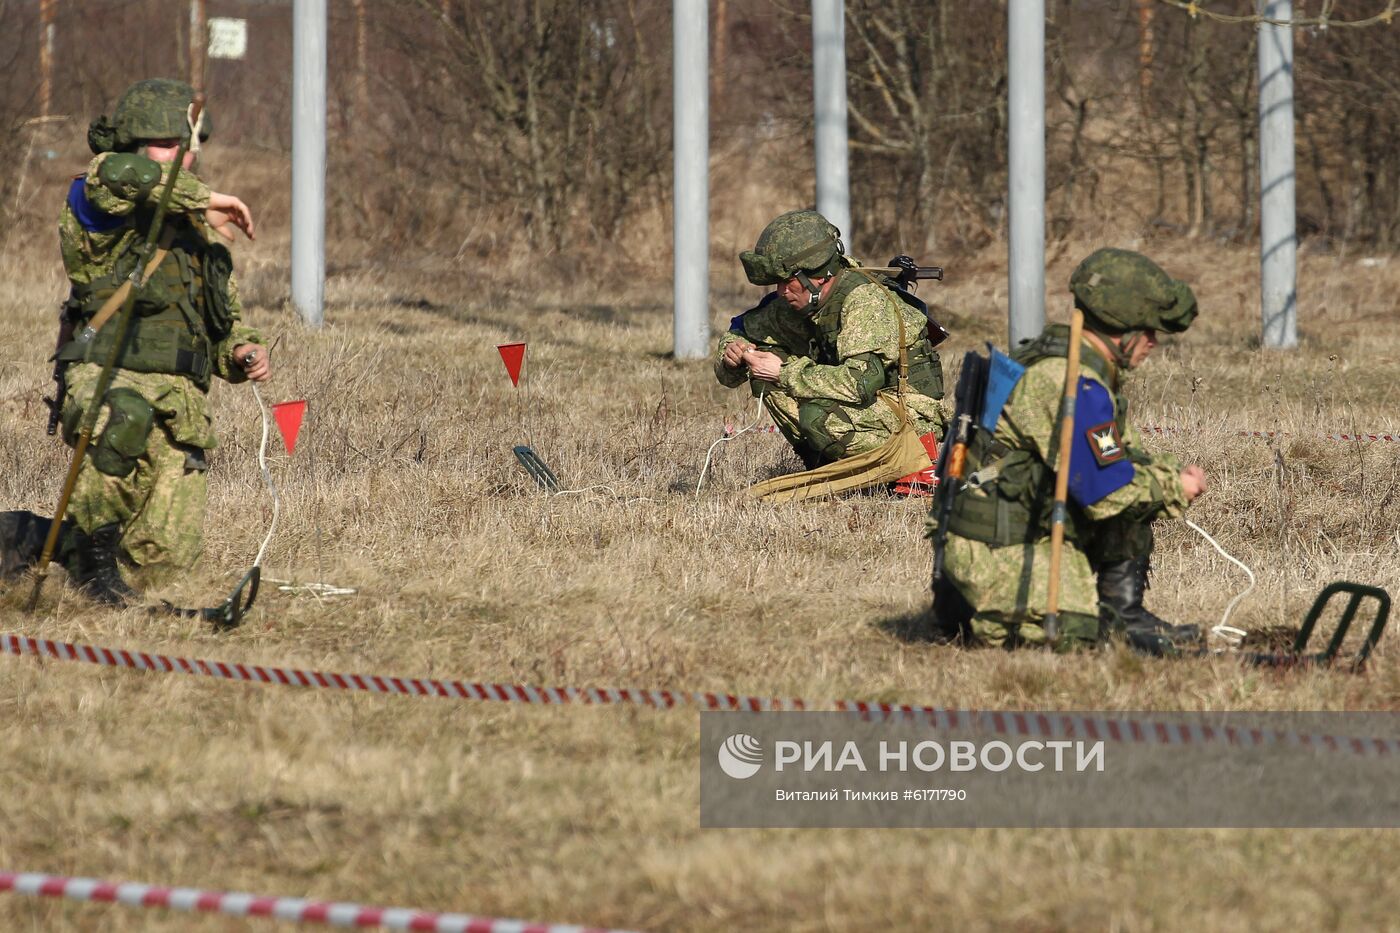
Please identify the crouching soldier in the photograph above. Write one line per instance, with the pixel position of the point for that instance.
(996, 557)
(138, 502)
(823, 345)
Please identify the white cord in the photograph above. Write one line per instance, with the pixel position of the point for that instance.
(267, 478)
(312, 589)
(1223, 630)
(710, 453)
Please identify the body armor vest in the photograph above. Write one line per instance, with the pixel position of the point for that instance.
(181, 311)
(1012, 504)
(925, 367)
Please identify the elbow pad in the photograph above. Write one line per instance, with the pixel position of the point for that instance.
(128, 176)
(869, 372)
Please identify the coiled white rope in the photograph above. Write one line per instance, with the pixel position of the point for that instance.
(711, 452)
(1224, 629)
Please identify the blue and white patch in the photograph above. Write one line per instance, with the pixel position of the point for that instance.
(1099, 463)
(92, 219)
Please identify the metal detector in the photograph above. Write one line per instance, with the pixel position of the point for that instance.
(227, 615)
(536, 468)
(1300, 656)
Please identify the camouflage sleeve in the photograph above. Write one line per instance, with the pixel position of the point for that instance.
(1031, 420)
(225, 366)
(117, 181)
(773, 327)
(729, 378)
(870, 324)
(868, 345)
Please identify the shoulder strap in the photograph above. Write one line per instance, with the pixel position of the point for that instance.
(1054, 342)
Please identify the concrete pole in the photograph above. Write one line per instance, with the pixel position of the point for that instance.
(829, 92)
(309, 158)
(690, 31)
(1278, 229)
(46, 33)
(1025, 50)
(199, 43)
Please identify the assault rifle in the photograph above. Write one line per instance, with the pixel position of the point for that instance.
(908, 273)
(60, 371)
(967, 407)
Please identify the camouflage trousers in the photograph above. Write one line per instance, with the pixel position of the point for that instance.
(825, 430)
(159, 504)
(1008, 588)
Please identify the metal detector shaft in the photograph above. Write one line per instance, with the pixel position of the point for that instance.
(1051, 624)
(104, 379)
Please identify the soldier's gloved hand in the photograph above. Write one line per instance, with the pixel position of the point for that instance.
(734, 354)
(254, 361)
(763, 366)
(1193, 480)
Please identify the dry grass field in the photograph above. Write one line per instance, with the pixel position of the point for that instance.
(405, 488)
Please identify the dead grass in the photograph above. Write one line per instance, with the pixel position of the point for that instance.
(406, 489)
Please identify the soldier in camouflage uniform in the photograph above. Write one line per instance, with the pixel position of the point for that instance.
(823, 344)
(139, 497)
(996, 562)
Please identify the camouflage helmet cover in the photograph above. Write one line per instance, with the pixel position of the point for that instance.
(1122, 290)
(156, 108)
(798, 241)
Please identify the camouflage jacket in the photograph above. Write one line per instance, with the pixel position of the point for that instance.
(1030, 421)
(848, 350)
(97, 229)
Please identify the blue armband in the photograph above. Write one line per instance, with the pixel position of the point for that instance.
(1099, 463)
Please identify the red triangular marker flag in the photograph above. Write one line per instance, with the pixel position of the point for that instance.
(289, 415)
(513, 355)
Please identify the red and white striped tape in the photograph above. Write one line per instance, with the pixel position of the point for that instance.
(1040, 725)
(296, 909)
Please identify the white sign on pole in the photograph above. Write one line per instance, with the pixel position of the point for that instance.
(228, 37)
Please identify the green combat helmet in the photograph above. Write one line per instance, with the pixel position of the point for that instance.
(156, 108)
(1122, 292)
(800, 244)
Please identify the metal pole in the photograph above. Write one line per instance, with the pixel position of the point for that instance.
(690, 25)
(46, 32)
(1278, 230)
(1025, 49)
(199, 43)
(309, 158)
(829, 92)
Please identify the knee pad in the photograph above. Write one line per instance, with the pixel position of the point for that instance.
(128, 431)
(816, 419)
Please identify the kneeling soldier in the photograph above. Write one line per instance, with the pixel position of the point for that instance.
(824, 344)
(997, 551)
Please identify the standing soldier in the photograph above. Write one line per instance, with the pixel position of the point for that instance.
(824, 344)
(997, 551)
(138, 501)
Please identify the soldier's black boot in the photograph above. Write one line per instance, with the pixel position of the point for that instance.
(1121, 588)
(22, 537)
(92, 566)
